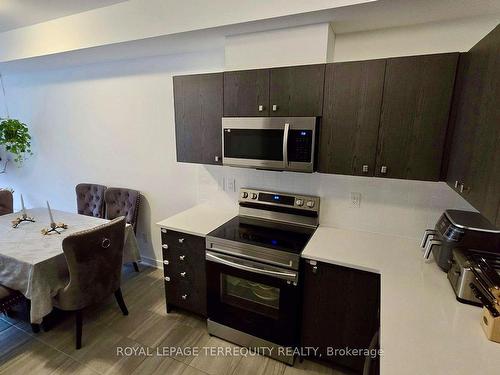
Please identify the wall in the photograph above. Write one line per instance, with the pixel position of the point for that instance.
(312, 44)
(113, 123)
(109, 123)
(433, 37)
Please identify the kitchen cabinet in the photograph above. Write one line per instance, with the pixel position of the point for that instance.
(296, 90)
(340, 310)
(414, 116)
(474, 161)
(351, 114)
(287, 91)
(184, 271)
(198, 112)
(246, 93)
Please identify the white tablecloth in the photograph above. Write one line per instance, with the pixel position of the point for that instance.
(35, 265)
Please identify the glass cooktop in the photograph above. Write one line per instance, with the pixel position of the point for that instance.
(277, 236)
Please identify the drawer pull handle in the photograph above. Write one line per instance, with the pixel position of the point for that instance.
(383, 170)
(165, 246)
(163, 230)
(365, 168)
(166, 262)
(167, 278)
(181, 240)
(183, 274)
(182, 257)
(184, 296)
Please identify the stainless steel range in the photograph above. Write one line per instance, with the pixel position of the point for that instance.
(253, 277)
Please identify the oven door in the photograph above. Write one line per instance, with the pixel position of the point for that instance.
(253, 297)
(269, 142)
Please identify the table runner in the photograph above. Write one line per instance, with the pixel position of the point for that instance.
(35, 264)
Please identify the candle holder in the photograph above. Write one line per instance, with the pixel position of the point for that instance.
(54, 228)
(23, 218)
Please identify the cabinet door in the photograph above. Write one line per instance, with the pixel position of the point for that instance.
(297, 90)
(198, 118)
(414, 118)
(246, 93)
(351, 115)
(475, 151)
(340, 310)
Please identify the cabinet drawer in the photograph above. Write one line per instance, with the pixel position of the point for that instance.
(181, 240)
(186, 296)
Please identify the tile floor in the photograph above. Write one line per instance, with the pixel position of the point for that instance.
(147, 328)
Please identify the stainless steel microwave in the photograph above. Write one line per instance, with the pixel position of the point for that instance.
(276, 143)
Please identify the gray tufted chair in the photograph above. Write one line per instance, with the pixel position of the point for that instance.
(6, 202)
(90, 199)
(123, 202)
(94, 260)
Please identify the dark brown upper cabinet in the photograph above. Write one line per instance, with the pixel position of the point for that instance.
(351, 115)
(198, 113)
(414, 118)
(296, 90)
(474, 162)
(246, 93)
(340, 309)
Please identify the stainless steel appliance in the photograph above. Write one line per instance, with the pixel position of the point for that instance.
(459, 229)
(253, 277)
(276, 143)
(462, 272)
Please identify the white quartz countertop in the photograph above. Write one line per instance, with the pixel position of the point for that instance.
(424, 330)
(199, 220)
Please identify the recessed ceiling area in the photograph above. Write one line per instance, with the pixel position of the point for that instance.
(20, 13)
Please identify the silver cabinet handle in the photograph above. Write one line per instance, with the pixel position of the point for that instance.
(365, 168)
(315, 269)
(166, 262)
(261, 108)
(383, 170)
(285, 144)
(164, 246)
(184, 296)
(163, 230)
(181, 240)
(275, 107)
(456, 184)
(461, 188)
(182, 257)
(216, 158)
(183, 274)
(167, 278)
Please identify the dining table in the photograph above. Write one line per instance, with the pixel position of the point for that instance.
(34, 263)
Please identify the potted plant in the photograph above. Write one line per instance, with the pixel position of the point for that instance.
(15, 138)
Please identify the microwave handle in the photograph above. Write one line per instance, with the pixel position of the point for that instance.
(285, 144)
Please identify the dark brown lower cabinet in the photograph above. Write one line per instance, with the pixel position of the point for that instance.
(184, 271)
(340, 311)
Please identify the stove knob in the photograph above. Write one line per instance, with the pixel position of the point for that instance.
(254, 195)
(299, 202)
(244, 195)
(310, 204)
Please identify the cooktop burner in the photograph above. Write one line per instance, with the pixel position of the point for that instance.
(262, 233)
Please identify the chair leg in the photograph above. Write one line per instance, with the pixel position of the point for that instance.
(136, 267)
(121, 302)
(79, 324)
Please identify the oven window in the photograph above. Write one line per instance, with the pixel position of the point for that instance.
(260, 298)
(266, 144)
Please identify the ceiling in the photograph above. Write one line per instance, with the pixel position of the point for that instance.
(21, 13)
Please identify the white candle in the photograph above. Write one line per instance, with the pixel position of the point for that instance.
(50, 213)
(22, 205)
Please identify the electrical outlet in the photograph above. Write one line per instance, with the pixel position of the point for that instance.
(230, 184)
(355, 200)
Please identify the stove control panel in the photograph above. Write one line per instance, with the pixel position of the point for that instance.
(302, 202)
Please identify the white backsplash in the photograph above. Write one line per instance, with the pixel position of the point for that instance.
(388, 206)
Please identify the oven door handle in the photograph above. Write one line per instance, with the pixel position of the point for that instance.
(281, 275)
(285, 144)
